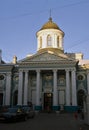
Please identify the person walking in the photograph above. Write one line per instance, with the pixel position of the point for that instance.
(76, 115)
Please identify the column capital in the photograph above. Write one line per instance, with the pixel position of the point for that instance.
(8, 73)
(74, 69)
(20, 70)
(54, 70)
(67, 70)
(26, 71)
(38, 70)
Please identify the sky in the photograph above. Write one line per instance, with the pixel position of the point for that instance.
(21, 19)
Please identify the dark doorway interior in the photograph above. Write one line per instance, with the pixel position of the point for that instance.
(15, 97)
(80, 96)
(48, 99)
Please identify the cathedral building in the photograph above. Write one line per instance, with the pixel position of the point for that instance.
(49, 78)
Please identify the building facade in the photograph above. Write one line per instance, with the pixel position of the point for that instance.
(49, 78)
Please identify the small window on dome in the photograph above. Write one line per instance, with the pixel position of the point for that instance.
(49, 40)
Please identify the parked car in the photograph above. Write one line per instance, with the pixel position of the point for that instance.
(14, 114)
(28, 110)
(3, 109)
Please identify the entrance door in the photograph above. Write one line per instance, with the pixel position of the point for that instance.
(48, 99)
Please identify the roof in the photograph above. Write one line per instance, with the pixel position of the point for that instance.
(48, 56)
(50, 25)
(2, 62)
(83, 62)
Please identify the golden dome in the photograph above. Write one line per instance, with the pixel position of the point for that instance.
(50, 25)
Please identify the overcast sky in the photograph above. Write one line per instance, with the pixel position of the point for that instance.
(21, 19)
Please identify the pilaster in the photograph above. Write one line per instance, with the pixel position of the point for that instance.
(26, 87)
(38, 89)
(88, 81)
(74, 94)
(20, 87)
(8, 89)
(67, 88)
(55, 92)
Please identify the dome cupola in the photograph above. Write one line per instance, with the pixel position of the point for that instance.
(50, 36)
(50, 25)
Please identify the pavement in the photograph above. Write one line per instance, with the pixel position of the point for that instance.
(64, 121)
(48, 121)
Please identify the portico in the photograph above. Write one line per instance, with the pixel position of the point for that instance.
(53, 81)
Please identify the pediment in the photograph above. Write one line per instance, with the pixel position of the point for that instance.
(46, 56)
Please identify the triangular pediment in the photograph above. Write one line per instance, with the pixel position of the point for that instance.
(46, 56)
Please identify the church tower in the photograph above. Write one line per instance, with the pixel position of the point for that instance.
(50, 37)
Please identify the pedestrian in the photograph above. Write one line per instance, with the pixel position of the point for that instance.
(30, 105)
(76, 115)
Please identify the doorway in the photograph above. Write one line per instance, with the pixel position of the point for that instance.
(15, 97)
(48, 101)
(80, 96)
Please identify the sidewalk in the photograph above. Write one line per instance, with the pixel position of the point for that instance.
(53, 121)
(48, 121)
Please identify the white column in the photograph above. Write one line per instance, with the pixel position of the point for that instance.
(26, 88)
(38, 88)
(55, 92)
(20, 87)
(88, 81)
(67, 88)
(8, 89)
(44, 41)
(74, 94)
(61, 46)
(55, 42)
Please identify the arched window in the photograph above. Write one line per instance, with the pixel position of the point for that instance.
(49, 40)
(57, 41)
(40, 42)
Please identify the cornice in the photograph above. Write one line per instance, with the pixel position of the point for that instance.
(6, 67)
(47, 64)
(57, 50)
(83, 67)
